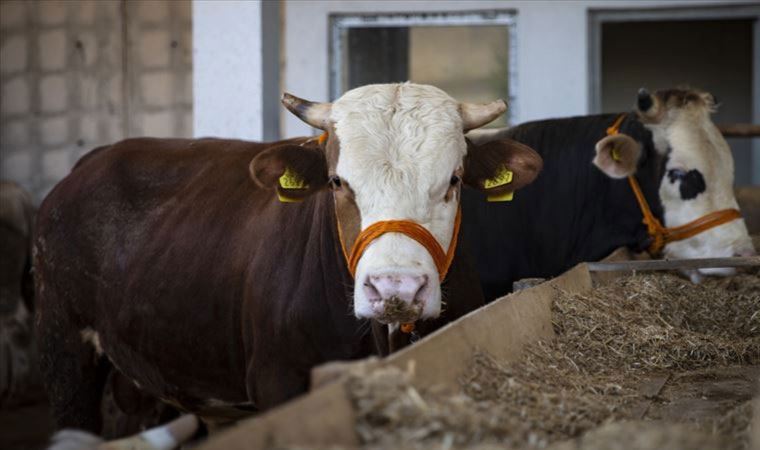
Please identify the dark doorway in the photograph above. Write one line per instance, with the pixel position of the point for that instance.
(714, 55)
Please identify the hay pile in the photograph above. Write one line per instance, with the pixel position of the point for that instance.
(608, 343)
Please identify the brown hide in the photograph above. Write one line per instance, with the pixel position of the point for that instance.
(202, 288)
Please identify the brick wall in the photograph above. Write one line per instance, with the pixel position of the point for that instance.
(78, 74)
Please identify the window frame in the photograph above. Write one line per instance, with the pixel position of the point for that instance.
(340, 24)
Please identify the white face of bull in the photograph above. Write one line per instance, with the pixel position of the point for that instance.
(698, 177)
(397, 152)
(400, 146)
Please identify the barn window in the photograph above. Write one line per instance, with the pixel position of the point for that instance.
(471, 56)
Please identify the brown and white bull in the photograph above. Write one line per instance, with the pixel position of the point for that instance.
(172, 260)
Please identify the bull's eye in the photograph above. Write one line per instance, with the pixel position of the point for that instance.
(454, 180)
(335, 182)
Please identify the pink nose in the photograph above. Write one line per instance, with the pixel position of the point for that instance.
(407, 288)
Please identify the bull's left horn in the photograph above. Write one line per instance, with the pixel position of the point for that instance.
(477, 115)
(315, 114)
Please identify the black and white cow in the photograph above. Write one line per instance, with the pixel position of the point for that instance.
(578, 211)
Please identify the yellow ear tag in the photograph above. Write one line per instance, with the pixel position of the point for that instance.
(505, 197)
(290, 180)
(501, 178)
(615, 153)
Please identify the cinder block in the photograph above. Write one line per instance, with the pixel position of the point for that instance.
(15, 97)
(86, 45)
(115, 89)
(153, 12)
(187, 125)
(114, 129)
(183, 10)
(17, 165)
(56, 164)
(53, 49)
(89, 97)
(186, 49)
(54, 95)
(186, 88)
(12, 13)
(157, 88)
(13, 54)
(84, 12)
(153, 47)
(13, 134)
(160, 124)
(88, 130)
(109, 10)
(52, 12)
(54, 131)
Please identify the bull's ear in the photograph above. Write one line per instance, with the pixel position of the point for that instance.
(617, 155)
(294, 171)
(498, 168)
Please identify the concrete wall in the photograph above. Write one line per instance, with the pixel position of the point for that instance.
(236, 50)
(78, 74)
(552, 44)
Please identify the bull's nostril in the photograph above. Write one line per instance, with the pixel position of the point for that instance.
(371, 291)
(423, 285)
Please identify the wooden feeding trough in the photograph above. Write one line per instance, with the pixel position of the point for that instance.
(494, 337)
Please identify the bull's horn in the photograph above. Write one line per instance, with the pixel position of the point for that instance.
(477, 115)
(315, 114)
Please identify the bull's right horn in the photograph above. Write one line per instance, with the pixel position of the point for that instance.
(315, 114)
(476, 115)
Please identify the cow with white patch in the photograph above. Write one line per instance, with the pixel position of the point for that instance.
(667, 152)
(214, 274)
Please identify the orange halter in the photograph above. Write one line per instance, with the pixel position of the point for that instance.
(661, 235)
(413, 230)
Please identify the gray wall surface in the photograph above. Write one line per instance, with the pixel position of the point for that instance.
(78, 74)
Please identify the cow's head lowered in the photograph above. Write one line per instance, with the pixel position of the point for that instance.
(396, 152)
(696, 178)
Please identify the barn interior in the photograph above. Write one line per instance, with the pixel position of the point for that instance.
(622, 357)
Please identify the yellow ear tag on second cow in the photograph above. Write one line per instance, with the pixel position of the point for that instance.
(503, 177)
(505, 197)
(615, 153)
(290, 180)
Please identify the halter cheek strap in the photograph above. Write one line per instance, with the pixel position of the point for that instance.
(661, 235)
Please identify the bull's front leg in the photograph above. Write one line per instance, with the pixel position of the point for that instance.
(274, 383)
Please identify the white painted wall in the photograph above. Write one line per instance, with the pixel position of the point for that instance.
(228, 76)
(552, 46)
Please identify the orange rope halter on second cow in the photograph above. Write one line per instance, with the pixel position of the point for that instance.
(661, 235)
